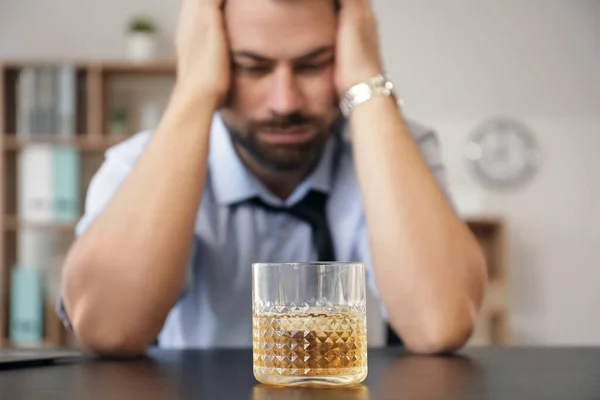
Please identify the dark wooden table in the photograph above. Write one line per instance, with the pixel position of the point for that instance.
(486, 373)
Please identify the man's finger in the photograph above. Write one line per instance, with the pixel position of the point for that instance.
(190, 7)
(212, 3)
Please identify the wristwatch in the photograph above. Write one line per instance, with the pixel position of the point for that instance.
(365, 91)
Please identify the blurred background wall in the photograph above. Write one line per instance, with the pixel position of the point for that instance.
(456, 63)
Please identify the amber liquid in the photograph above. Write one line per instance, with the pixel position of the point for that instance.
(315, 347)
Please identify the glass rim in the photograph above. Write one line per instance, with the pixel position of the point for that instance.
(310, 264)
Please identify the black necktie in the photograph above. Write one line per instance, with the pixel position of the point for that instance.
(312, 210)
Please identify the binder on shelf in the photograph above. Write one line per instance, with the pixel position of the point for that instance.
(26, 306)
(34, 183)
(46, 102)
(66, 110)
(35, 247)
(45, 249)
(49, 183)
(66, 169)
(26, 103)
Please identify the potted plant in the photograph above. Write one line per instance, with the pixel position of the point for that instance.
(142, 39)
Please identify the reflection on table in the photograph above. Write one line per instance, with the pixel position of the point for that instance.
(265, 392)
(428, 378)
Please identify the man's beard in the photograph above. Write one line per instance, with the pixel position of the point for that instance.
(283, 157)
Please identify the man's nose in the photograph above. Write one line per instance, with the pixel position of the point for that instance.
(285, 97)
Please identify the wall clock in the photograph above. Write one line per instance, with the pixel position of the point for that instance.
(503, 153)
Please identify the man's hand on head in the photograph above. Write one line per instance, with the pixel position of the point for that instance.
(358, 56)
(203, 61)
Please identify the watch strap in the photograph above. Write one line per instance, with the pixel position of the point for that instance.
(379, 85)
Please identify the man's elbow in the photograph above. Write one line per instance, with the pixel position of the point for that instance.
(442, 335)
(108, 338)
(433, 343)
(110, 343)
(109, 330)
(449, 330)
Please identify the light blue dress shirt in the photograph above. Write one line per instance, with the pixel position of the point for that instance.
(215, 308)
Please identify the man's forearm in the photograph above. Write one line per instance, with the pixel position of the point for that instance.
(428, 266)
(123, 275)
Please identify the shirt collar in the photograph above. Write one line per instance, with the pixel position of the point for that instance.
(233, 183)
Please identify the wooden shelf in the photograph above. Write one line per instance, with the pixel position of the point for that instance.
(18, 64)
(82, 142)
(485, 223)
(155, 67)
(14, 224)
(166, 66)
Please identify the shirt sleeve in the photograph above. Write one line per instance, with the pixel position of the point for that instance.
(118, 163)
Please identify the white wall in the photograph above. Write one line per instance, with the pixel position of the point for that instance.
(538, 60)
(455, 63)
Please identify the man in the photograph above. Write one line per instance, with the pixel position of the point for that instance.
(253, 122)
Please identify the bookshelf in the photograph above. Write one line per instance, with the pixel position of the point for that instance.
(98, 86)
(95, 83)
(83, 143)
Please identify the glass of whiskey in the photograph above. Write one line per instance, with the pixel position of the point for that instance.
(309, 323)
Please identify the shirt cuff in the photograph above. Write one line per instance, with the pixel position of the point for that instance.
(62, 313)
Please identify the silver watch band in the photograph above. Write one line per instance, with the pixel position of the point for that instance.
(365, 91)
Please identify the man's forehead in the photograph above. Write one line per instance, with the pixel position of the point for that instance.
(280, 28)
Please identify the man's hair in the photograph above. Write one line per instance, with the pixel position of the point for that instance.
(336, 4)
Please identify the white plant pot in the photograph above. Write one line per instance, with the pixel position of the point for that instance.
(141, 46)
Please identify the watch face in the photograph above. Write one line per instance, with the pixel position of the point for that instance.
(503, 153)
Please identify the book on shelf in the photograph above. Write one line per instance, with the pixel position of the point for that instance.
(46, 102)
(34, 183)
(66, 171)
(35, 282)
(26, 306)
(67, 102)
(48, 183)
(26, 91)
